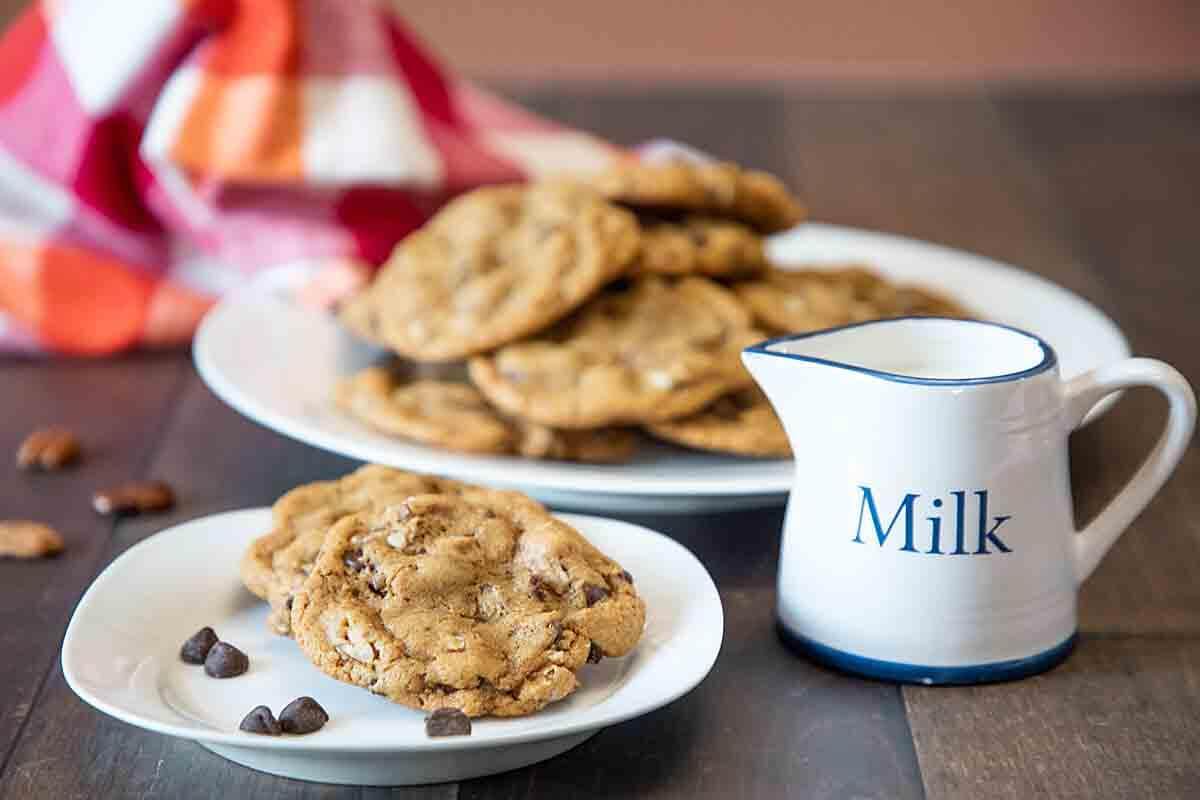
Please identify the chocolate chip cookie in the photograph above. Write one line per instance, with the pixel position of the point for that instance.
(796, 302)
(480, 601)
(786, 301)
(652, 351)
(699, 246)
(494, 265)
(275, 565)
(716, 189)
(742, 423)
(455, 416)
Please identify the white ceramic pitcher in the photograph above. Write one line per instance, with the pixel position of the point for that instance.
(929, 534)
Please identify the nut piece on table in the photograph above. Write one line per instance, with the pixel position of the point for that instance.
(135, 497)
(25, 539)
(48, 449)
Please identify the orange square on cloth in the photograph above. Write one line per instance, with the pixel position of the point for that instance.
(261, 38)
(245, 128)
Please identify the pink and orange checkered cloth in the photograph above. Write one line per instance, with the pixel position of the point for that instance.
(156, 153)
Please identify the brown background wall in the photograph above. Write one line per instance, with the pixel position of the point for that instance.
(907, 42)
(910, 41)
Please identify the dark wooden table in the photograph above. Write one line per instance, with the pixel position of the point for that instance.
(1100, 193)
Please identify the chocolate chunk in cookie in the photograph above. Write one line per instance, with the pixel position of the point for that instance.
(742, 423)
(495, 265)
(480, 601)
(797, 301)
(275, 565)
(697, 245)
(652, 351)
(453, 415)
(715, 189)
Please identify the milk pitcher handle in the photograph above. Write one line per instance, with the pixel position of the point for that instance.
(1081, 394)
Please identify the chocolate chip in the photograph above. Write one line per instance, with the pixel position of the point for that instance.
(225, 661)
(594, 594)
(594, 654)
(260, 720)
(48, 449)
(626, 576)
(353, 560)
(447, 722)
(303, 715)
(135, 497)
(195, 649)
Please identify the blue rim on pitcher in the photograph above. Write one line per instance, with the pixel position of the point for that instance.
(992, 672)
(1049, 357)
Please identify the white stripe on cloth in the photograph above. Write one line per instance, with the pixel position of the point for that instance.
(366, 129)
(104, 45)
(29, 203)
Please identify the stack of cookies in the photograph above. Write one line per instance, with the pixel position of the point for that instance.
(437, 594)
(558, 319)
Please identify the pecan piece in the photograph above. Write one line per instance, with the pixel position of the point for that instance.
(134, 497)
(48, 449)
(25, 539)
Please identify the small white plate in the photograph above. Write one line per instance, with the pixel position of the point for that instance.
(121, 655)
(277, 362)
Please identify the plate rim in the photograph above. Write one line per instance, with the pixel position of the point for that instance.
(593, 721)
(576, 479)
(565, 477)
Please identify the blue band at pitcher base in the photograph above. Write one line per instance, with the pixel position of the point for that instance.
(992, 672)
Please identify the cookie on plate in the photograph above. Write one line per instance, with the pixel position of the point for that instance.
(742, 423)
(697, 245)
(649, 352)
(716, 189)
(493, 266)
(453, 415)
(916, 301)
(786, 301)
(275, 565)
(480, 601)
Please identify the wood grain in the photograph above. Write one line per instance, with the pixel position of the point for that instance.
(1126, 172)
(945, 169)
(763, 724)
(1119, 719)
(825, 734)
(36, 597)
(1097, 193)
(216, 460)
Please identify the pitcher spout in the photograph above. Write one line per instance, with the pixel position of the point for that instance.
(811, 378)
(918, 350)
